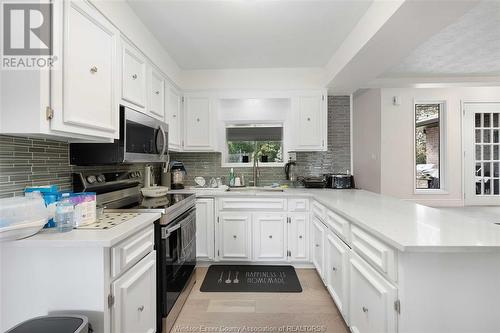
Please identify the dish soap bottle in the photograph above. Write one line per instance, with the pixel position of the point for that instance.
(231, 177)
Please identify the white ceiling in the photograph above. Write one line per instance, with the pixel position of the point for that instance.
(468, 47)
(250, 33)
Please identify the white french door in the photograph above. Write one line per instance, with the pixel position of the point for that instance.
(482, 153)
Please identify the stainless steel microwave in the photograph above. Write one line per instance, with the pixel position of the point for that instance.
(143, 139)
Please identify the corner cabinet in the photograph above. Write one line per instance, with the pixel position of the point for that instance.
(310, 122)
(199, 123)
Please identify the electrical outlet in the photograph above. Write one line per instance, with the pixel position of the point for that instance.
(292, 156)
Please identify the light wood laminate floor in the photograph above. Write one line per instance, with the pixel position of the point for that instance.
(312, 309)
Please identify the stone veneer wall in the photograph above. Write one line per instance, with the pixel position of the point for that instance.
(26, 161)
(336, 159)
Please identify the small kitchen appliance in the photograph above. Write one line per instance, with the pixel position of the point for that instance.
(339, 181)
(178, 172)
(291, 171)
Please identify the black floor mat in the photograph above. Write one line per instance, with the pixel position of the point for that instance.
(251, 278)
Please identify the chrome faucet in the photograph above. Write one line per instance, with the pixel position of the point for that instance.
(256, 170)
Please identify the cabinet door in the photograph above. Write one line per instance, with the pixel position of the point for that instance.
(173, 118)
(317, 234)
(134, 310)
(269, 235)
(371, 299)
(197, 124)
(235, 236)
(298, 242)
(84, 94)
(311, 123)
(336, 271)
(133, 77)
(156, 94)
(205, 229)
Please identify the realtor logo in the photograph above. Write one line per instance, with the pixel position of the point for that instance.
(27, 40)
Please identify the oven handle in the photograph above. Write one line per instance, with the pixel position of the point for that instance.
(165, 232)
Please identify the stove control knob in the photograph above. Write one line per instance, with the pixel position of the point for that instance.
(101, 178)
(91, 179)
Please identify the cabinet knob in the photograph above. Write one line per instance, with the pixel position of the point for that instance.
(317, 245)
(141, 308)
(198, 119)
(134, 76)
(234, 236)
(300, 237)
(157, 92)
(308, 119)
(175, 116)
(93, 70)
(270, 236)
(365, 309)
(334, 269)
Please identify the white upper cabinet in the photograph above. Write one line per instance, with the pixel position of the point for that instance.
(173, 117)
(198, 123)
(270, 236)
(134, 77)
(309, 113)
(156, 94)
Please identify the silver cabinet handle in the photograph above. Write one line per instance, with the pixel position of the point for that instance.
(141, 308)
(270, 236)
(234, 236)
(134, 76)
(93, 70)
(365, 310)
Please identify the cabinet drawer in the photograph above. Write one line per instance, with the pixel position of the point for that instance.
(268, 204)
(131, 250)
(339, 225)
(381, 256)
(298, 205)
(319, 211)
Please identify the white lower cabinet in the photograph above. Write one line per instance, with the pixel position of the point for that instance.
(134, 309)
(269, 236)
(317, 245)
(372, 299)
(235, 236)
(298, 236)
(337, 272)
(205, 219)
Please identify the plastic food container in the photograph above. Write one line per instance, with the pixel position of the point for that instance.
(22, 217)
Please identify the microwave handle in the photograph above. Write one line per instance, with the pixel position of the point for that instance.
(165, 143)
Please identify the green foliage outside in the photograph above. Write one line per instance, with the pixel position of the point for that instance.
(272, 149)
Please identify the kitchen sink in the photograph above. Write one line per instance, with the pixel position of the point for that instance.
(255, 188)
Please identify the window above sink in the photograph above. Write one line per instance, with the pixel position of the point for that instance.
(246, 142)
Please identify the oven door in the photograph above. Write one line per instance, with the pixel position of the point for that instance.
(145, 139)
(177, 259)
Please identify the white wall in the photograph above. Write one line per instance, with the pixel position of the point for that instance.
(366, 138)
(396, 138)
(253, 78)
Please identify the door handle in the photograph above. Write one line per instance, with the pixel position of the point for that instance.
(165, 143)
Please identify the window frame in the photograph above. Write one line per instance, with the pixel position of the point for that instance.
(224, 156)
(442, 147)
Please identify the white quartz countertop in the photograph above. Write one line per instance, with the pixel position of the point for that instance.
(88, 237)
(402, 224)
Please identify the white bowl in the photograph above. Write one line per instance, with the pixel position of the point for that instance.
(22, 230)
(154, 191)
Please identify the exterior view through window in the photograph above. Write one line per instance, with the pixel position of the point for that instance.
(428, 145)
(246, 142)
